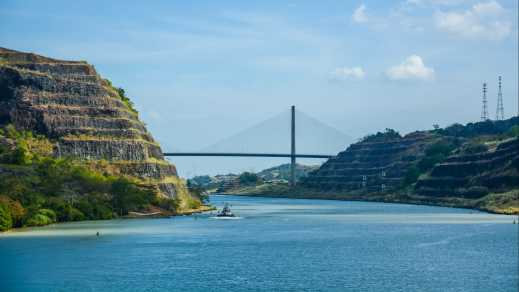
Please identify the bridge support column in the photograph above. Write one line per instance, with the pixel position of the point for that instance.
(293, 150)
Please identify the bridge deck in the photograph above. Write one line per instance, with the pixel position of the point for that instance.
(216, 154)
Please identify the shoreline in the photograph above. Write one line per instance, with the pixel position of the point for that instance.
(201, 209)
(459, 203)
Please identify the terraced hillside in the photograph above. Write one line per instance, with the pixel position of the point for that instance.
(371, 165)
(472, 175)
(84, 116)
(476, 166)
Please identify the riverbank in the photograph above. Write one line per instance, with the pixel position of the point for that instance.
(497, 203)
(135, 215)
(161, 213)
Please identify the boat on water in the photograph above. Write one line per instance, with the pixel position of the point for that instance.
(225, 212)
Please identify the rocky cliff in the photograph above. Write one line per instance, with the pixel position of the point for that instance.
(85, 118)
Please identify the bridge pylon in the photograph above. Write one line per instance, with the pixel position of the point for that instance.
(293, 149)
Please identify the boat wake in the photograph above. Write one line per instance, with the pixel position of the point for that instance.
(226, 218)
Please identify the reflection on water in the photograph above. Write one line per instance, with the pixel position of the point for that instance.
(277, 245)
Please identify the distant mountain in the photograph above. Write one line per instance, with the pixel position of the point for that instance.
(282, 172)
(272, 135)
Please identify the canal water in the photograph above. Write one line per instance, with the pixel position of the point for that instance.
(275, 245)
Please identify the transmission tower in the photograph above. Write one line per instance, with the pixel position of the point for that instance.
(500, 111)
(484, 110)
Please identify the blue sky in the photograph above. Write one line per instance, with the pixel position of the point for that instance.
(202, 70)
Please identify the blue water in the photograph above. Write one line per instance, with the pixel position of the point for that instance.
(277, 245)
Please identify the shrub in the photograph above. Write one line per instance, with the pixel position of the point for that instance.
(248, 178)
(17, 213)
(5, 217)
(480, 128)
(49, 213)
(387, 135)
(127, 196)
(75, 215)
(21, 154)
(94, 206)
(167, 203)
(411, 175)
(41, 218)
(440, 147)
(194, 204)
(63, 210)
(435, 153)
(474, 148)
(428, 162)
(513, 131)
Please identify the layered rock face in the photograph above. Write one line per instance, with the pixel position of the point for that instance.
(370, 166)
(84, 116)
(470, 175)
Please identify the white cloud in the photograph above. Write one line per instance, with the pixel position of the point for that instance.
(412, 68)
(359, 15)
(348, 73)
(483, 21)
(489, 8)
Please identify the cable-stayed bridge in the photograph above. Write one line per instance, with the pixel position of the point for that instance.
(268, 139)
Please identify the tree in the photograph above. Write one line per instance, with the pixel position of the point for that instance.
(127, 196)
(6, 221)
(248, 178)
(513, 131)
(411, 175)
(17, 213)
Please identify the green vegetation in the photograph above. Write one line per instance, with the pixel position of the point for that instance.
(387, 135)
(474, 148)
(122, 95)
(36, 189)
(248, 179)
(513, 131)
(434, 154)
(471, 130)
(6, 221)
(125, 99)
(198, 191)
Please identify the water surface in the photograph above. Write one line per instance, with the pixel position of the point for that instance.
(277, 245)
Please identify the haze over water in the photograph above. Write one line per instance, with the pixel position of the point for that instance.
(278, 245)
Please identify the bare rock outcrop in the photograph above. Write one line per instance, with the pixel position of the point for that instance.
(83, 115)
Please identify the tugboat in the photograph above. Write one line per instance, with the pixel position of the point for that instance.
(225, 212)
